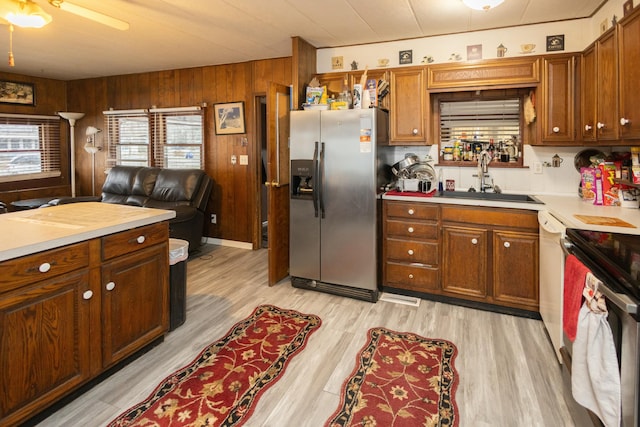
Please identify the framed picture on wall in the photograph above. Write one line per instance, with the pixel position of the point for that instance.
(17, 93)
(627, 7)
(229, 118)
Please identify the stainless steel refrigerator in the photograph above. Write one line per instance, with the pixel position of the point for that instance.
(336, 175)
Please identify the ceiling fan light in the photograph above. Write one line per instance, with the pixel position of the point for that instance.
(27, 14)
(482, 4)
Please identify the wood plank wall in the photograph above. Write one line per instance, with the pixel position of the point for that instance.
(50, 97)
(236, 194)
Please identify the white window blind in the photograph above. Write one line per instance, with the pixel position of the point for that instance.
(128, 141)
(29, 147)
(161, 137)
(479, 120)
(178, 139)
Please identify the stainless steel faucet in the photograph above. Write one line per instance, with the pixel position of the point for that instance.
(483, 167)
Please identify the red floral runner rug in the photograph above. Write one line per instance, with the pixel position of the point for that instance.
(223, 384)
(401, 379)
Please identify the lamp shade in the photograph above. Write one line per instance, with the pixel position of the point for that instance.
(482, 4)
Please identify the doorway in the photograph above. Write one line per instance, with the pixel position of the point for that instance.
(261, 109)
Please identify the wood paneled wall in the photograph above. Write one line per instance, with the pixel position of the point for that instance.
(50, 97)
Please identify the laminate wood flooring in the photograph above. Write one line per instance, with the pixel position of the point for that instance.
(508, 373)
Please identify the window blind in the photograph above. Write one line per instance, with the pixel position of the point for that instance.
(29, 146)
(178, 139)
(128, 141)
(479, 120)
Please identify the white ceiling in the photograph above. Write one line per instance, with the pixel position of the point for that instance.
(172, 34)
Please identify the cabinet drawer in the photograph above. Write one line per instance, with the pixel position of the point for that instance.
(133, 240)
(412, 210)
(412, 252)
(33, 268)
(412, 277)
(410, 229)
(516, 218)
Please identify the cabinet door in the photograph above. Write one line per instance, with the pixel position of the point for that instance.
(629, 61)
(588, 93)
(515, 269)
(135, 302)
(408, 113)
(558, 120)
(464, 261)
(44, 344)
(607, 77)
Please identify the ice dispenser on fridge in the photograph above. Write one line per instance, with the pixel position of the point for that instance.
(302, 172)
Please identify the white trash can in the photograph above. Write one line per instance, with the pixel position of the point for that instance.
(178, 254)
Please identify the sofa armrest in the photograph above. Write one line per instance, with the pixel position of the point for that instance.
(69, 199)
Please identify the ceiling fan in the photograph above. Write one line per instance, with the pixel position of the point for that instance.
(27, 13)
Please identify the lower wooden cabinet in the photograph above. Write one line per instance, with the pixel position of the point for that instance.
(68, 314)
(479, 254)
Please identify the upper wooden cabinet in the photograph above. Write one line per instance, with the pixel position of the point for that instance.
(607, 87)
(557, 109)
(588, 94)
(629, 75)
(409, 105)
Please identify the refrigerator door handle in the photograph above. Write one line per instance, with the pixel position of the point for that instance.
(316, 188)
(320, 179)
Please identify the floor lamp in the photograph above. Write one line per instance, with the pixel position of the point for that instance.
(91, 148)
(72, 117)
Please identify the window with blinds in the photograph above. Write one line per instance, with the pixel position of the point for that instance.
(29, 147)
(166, 138)
(479, 121)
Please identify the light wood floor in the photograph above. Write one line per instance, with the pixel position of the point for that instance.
(508, 372)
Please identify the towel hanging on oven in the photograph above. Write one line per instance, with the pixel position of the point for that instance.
(595, 378)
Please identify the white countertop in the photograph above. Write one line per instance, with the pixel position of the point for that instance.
(27, 232)
(563, 208)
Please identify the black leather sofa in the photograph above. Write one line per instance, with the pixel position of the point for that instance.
(186, 191)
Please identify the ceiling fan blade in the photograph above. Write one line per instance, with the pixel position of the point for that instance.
(90, 14)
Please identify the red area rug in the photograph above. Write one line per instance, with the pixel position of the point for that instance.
(222, 385)
(400, 380)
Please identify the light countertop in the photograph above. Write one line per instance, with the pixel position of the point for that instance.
(563, 207)
(36, 230)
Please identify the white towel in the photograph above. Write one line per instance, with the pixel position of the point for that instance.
(595, 377)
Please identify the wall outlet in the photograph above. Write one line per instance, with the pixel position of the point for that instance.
(214, 219)
(537, 167)
(234, 159)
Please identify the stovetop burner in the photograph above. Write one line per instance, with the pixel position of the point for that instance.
(614, 254)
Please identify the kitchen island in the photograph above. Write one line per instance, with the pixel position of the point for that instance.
(82, 287)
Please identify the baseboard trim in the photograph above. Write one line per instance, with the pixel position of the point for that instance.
(229, 243)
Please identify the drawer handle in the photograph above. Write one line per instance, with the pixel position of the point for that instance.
(110, 286)
(600, 125)
(410, 251)
(624, 121)
(474, 241)
(556, 129)
(410, 229)
(588, 127)
(410, 276)
(87, 294)
(411, 211)
(414, 131)
(44, 267)
(140, 239)
(507, 244)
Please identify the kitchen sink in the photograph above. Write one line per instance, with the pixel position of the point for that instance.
(498, 197)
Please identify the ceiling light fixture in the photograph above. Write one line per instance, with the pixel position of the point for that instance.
(25, 13)
(482, 4)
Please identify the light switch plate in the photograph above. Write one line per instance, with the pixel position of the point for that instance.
(244, 159)
(537, 167)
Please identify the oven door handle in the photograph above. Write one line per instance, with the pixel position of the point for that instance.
(622, 301)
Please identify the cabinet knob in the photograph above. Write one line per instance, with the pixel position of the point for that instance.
(507, 244)
(411, 211)
(410, 276)
(410, 229)
(110, 286)
(588, 127)
(474, 241)
(414, 131)
(600, 125)
(556, 129)
(87, 294)
(140, 239)
(410, 251)
(624, 121)
(44, 267)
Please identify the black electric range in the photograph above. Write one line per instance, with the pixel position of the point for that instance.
(614, 256)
